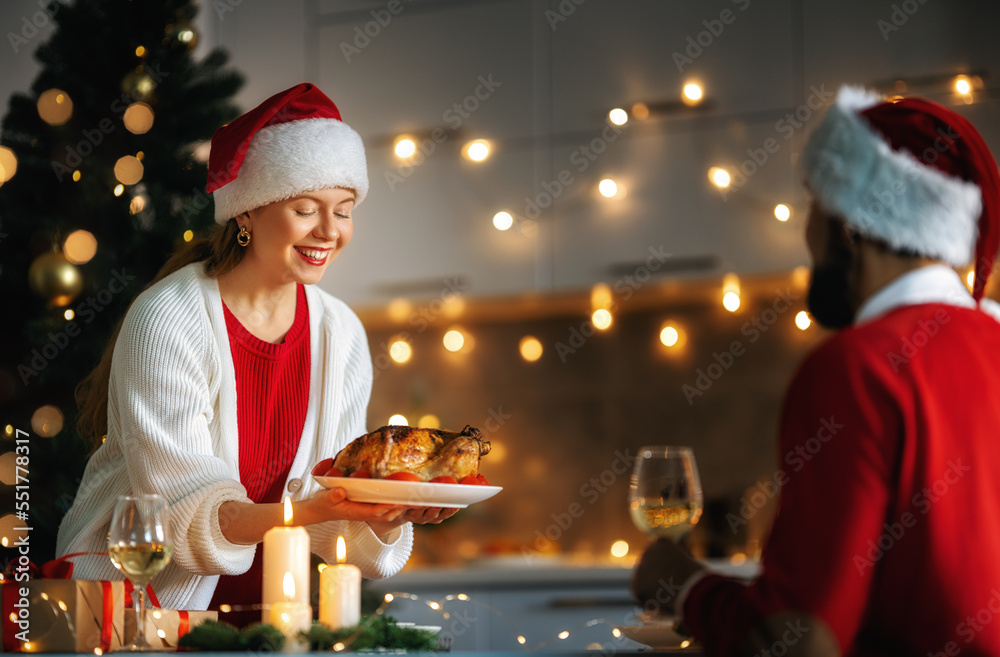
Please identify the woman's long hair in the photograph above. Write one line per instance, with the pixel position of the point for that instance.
(221, 253)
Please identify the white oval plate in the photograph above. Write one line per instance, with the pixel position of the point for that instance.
(410, 493)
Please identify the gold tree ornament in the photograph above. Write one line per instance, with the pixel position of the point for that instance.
(138, 84)
(55, 279)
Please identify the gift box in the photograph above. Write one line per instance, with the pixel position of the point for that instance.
(62, 615)
(163, 627)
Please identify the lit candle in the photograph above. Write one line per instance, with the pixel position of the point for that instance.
(290, 617)
(340, 592)
(286, 550)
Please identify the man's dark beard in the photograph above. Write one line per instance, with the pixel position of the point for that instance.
(829, 297)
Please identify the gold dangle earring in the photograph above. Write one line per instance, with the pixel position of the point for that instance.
(244, 236)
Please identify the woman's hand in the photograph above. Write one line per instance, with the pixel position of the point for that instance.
(428, 515)
(332, 504)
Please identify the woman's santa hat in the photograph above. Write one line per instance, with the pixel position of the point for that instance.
(911, 173)
(293, 142)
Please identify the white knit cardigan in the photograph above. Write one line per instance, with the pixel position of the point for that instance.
(172, 430)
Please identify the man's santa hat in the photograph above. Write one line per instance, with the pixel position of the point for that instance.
(293, 142)
(910, 173)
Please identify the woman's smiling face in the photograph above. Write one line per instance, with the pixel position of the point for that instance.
(294, 240)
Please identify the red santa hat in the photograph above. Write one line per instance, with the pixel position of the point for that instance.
(293, 142)
(911, 173)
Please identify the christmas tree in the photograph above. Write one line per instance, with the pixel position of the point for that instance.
(102, 177)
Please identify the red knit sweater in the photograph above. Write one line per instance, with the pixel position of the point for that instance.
(272, 393)
(888, 527)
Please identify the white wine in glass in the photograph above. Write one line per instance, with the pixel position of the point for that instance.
(665, 496)
(140, 545)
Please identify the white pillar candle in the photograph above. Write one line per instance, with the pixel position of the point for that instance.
(286, 550)
(340, 592)
(290, 617)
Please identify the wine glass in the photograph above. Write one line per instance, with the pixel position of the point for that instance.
(140, 545)
(665, 491)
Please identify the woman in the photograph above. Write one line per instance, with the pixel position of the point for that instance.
(232, 374)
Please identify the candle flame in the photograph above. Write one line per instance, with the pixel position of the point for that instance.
(341, 550)
(288, 510)
(288, 586)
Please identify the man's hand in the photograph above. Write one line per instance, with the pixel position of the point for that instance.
(660, 574)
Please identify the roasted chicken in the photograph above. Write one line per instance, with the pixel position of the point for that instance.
(427, 453)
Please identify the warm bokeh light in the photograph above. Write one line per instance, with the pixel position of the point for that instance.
(531, 349)
(970, 278)
(399, 309)
(8, 164)
(602, 319)
(188, 235)
(669, 336)
(521, 639)
(454, 340)
(477, 150)
(47, 421)
(962, 85)
(55, 107)
(503, 220)
(800, 276)
(608, 188)
(719, 177)
(453, 306)
(618, 116)
(138, 118)
(619, 549)
(8, 462)
(77, 175)
(69, 314)
(140, 51)
(600, 296)
(137, 204)
(80, 246)
(731, 301)
(404, 148)
(563, 635)
(128, 170)
(692, 94)
(802, 320)
(400, 351)
(782, 212)
(640, 111)
(429, 421)
(398, 419)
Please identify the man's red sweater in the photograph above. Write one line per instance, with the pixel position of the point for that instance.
(888, 527)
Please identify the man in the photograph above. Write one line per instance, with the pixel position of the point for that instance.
(887, 538)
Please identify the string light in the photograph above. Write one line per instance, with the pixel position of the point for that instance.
(188, 235)
(119, 189)
(962, 85)
(601, 319)
(618, 116)
(69, 314)
(619, 549)
(692, 93)
(719, 177)
(782, 212)
(640, 111)
(77, 175)
(802, 320)
(80, 246)
(731, 293)
(140, 51)
(477, 150)
(404, 147)
(503, 220)
(970, 278)
(530, 348)
(398, 419)
(8, 164)
(400, 350)
(454, 340)
(608, 188)
(429, 421)
(669, 336)
(564, 634)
